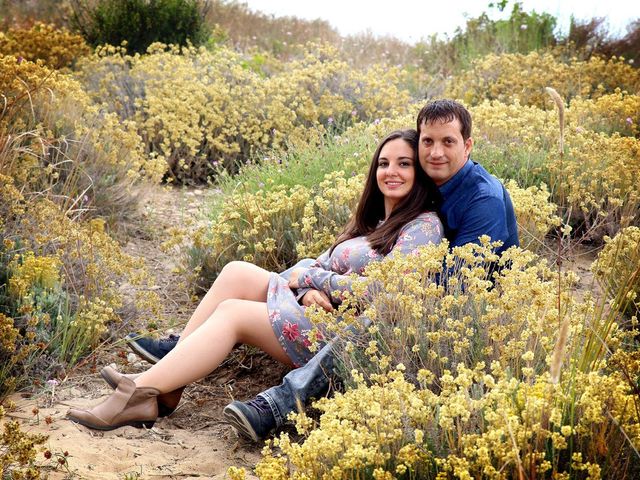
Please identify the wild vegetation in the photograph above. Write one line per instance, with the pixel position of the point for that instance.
(508, 377)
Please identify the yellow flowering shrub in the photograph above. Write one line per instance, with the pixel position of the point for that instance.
(449, 382)
(510, 77)
(61, 278)
(615, 112)
(256, 227)
(618, 269)
(191, 105)
(54, 139)
(27, 270)
(18, 450)
(275, 228)
(535, 214)
(326, 213)
(13, 351)
(56, 47)
(598, 180)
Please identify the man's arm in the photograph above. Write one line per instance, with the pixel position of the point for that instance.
(485, 215)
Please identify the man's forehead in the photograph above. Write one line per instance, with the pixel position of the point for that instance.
(455, 123)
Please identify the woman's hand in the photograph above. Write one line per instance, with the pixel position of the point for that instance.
(316, 297)
(293, 277)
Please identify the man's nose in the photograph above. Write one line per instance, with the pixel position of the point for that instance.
(436, 150)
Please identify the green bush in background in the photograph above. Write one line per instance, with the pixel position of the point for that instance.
(140, 22)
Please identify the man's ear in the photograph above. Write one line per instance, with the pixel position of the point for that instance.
(468, 145)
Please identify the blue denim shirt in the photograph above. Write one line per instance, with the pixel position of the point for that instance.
(475, 203)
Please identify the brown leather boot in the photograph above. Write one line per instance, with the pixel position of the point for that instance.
(128, 405)
(167, 402)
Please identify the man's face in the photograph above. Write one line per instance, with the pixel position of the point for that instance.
(441, 150)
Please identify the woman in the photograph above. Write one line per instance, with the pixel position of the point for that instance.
(247, 304)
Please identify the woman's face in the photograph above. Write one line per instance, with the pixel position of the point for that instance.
(395, 173)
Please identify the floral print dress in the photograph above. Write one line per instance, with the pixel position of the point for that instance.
(328, 274)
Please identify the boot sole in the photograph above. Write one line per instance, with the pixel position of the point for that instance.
(136, 424)
(234, 417)
(163, 410)
(141, 352)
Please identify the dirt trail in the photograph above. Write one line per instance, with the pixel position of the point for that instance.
(191, 443)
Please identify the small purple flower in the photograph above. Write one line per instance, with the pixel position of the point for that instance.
(353, 113)
(20, 60)
(52, 382)
(261, 185)
(376, 121)
(629, 121)
(330, 120)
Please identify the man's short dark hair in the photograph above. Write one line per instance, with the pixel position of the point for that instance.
(446, 111)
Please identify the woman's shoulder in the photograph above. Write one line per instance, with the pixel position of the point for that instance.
(426, 221)
(424, 218)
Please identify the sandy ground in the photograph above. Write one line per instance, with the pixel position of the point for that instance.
(191, 443)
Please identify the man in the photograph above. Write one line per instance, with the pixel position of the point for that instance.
(474, 203)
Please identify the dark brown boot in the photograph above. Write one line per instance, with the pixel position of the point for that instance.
(167, 402)
(128, 405)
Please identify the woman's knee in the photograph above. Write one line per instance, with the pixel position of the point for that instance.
(234, 268)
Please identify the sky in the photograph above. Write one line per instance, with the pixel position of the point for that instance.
(411, 20)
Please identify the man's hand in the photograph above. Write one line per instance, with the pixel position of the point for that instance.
(293, 277)
(316, 297)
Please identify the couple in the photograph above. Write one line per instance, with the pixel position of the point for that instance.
(421, 186)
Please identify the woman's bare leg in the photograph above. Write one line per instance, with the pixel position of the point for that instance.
(237, 280)
(234, 321)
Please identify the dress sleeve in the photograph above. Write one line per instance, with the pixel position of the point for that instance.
(320, 276)
(423, 230)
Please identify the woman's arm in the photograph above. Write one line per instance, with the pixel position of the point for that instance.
(425, 229)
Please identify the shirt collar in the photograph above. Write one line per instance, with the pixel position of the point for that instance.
(455, 181)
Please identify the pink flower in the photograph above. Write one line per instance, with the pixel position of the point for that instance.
(291, 331)
(629, 121)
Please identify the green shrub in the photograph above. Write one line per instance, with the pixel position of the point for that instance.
(140, 22)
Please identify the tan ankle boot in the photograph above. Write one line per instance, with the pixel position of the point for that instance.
(167, 402)
(128, 405)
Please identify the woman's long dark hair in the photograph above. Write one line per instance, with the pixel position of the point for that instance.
(424, 196)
